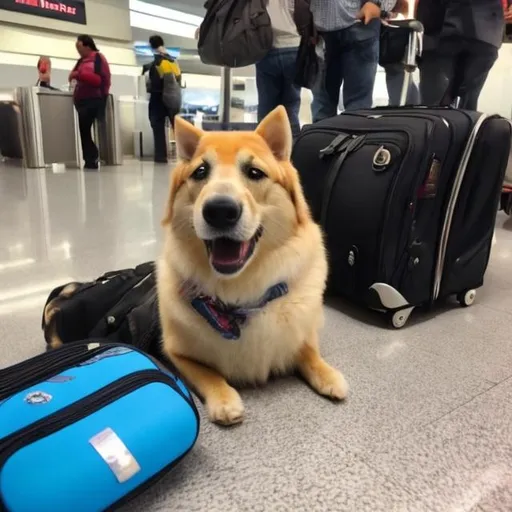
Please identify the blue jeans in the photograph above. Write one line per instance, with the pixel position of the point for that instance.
(351, 58)
(321, 107)
(395, 76)
(275, 76)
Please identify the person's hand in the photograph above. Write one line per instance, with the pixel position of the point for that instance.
(369, 12)
(508, 15)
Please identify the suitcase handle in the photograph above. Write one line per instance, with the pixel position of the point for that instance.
(412, 25)
(418, 107)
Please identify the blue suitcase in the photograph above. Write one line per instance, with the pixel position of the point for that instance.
(87, 426)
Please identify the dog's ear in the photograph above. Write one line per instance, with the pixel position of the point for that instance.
(187, 138)
(277, 133)
(176, 180)
(294, 188)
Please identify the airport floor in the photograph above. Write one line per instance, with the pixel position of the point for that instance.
(428, 423)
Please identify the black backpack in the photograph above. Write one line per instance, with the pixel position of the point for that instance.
(120, 306)
(235, 33)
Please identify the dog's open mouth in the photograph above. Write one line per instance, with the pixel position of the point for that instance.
(228, 256)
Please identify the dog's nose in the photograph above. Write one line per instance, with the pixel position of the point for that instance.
(222, 212)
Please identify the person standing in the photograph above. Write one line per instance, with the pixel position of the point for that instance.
(461, 43)
(44, 71)
(350, 29)
(163, 81)
(276, 72)
(92, 79)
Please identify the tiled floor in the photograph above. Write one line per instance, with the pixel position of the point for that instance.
(427, 427)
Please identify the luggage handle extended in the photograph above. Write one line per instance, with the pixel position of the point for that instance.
(413, 51)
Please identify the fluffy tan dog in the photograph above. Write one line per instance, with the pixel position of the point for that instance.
(243, 269)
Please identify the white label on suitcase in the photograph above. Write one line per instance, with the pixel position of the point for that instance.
(115, 453)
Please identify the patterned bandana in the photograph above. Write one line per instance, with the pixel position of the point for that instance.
(228, 319)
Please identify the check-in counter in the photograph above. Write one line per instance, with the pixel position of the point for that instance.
(136, 130)
(108, 134)
(49, 127)
(51, 132)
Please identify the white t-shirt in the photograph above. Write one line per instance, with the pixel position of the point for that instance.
(283, 26)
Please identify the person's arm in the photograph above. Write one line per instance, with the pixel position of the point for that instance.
(105, 71)
(401, 7)
(508, 11)
(369, 11)
(89, 77)
(73, 75)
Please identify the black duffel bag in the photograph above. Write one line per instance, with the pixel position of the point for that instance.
(119, 306)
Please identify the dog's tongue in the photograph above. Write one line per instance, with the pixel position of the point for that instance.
(226, 251)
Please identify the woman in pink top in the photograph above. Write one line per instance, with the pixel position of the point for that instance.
(92, 86)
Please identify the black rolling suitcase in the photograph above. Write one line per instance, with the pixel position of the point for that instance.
(407, 198)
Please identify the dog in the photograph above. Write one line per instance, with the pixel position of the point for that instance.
(243, 269)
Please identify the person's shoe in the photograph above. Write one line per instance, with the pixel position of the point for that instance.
(161, 161)
(91, 166)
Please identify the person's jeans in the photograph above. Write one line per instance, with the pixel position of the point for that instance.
(351, 58)
(456, 68)
(89, 110)
(395, 76)
(321, 105)
(158, 114)
(275, 75)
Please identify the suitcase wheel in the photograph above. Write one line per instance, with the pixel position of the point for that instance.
(466, 298)
(398, 319)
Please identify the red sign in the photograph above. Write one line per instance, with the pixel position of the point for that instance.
(67, 10)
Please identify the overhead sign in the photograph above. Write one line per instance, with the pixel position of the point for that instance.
(65, 10)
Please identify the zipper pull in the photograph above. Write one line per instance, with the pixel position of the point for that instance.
(335, 145)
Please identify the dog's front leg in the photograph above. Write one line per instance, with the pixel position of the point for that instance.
(322, 377)
(223, 402)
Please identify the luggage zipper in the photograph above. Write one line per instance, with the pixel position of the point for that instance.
(452, 203)
(79, 410)
(45, 366)
(82, 408)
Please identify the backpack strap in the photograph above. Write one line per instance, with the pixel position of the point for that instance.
(98, 69)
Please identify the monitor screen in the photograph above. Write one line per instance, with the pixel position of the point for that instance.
(143, 49)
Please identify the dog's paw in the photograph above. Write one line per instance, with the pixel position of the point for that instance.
(330, 383)
(225, 408)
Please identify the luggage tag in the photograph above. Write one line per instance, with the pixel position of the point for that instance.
(115, 453)
(428, 189)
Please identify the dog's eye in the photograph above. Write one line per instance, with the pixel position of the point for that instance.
(201, 173)
(254, 173)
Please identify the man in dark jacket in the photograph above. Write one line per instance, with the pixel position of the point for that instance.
(162, 66)
(461, 43)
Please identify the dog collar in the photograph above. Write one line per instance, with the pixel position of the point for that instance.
(228, 319)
